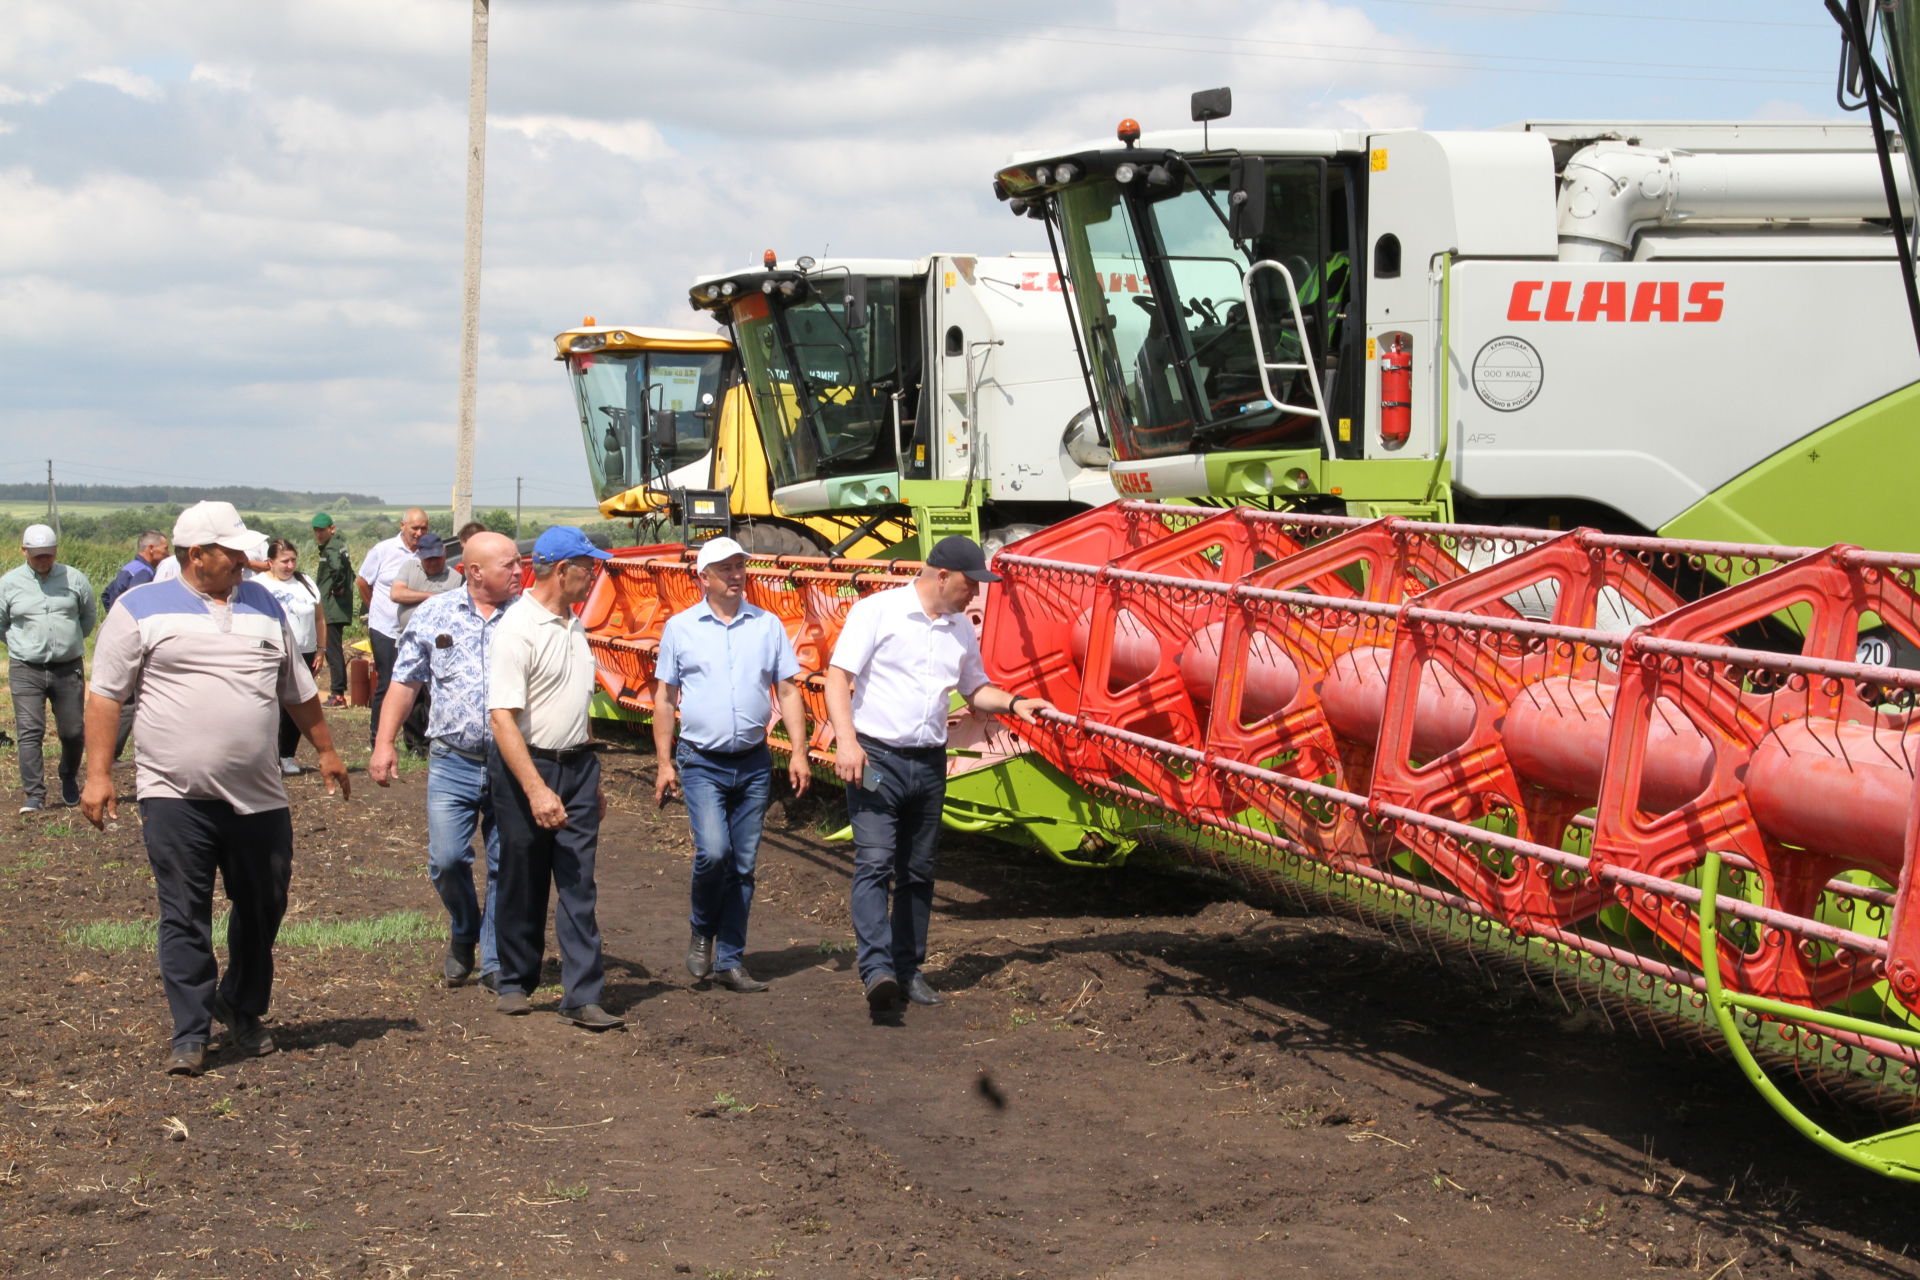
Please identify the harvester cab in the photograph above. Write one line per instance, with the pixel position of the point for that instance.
(670, 433)
(1681, 328)
(945, 388)
(650, 403)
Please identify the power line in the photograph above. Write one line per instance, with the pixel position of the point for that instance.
(1464, 62)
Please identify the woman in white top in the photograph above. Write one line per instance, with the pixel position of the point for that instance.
(299, 599)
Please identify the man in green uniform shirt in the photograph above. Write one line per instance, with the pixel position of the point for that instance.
(47, 610)
(334, 578)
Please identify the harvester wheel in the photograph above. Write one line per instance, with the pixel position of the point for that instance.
(765, 538)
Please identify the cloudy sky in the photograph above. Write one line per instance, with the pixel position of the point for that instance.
(230, 231)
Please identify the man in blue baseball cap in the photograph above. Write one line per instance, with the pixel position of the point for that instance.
(546, 783)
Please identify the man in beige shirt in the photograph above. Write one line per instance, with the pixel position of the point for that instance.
(213, 661)
(546, 783)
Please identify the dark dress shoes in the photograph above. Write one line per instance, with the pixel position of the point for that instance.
(738, 979)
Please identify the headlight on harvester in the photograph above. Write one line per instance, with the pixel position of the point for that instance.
(587, 342)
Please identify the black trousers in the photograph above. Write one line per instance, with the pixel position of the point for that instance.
(385, 650)
(289, 731)
(187, 842)
(413, 730)
(534, 859)
(337, 658)
(896, 833)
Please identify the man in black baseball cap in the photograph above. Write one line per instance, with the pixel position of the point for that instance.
(961, 555)
(900, 657)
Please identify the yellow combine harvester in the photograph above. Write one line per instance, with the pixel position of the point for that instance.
(670, 433)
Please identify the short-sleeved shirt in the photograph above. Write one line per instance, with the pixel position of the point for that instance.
(905, 666)
(167, 570)
(542, 669)
(298, 598)
(48, 619)
(383, 560)
(414, 574)
(457, 671)
(725, 672)
(211, 680)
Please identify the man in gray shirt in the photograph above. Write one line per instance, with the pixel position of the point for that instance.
(214, 661)
(47, 610)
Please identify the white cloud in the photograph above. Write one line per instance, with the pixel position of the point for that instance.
(634, 139)
(238, 79)
(127, 82)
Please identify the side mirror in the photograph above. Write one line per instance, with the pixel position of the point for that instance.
(856, 302)
(1212, 104)
(1247, 197)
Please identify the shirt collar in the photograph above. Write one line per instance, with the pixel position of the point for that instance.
(704, 610)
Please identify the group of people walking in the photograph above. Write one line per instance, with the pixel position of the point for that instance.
(210, 666)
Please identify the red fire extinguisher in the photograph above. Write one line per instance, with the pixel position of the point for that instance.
(1396, 391)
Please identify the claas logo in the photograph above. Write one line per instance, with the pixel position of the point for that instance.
(1133, 482)
(1611, 301)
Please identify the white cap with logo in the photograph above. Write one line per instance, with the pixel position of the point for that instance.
(714, 550)
(218, 523)
(38, 537)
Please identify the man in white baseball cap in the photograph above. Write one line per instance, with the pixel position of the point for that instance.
(719, 662)
(47, 610)
(213, 661)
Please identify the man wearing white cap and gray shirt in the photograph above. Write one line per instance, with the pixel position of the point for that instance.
(214, 661)
(717, 663)
(47, 610)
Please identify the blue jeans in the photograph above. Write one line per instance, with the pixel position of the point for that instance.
(459, 797)
(896, 831)
(726, 803)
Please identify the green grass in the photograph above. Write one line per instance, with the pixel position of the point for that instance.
(374, 934)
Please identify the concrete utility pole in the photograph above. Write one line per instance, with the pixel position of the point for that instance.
(470, 275)
(53, 501)
(516, 505)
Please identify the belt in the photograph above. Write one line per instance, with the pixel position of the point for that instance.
(730, 755)
(47, 666)
(471, 757)
(912, 753)
(564, 755)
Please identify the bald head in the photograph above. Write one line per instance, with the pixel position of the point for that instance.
(491, 562)
(412, 525)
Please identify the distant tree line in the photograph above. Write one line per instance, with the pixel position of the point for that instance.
(245, 497)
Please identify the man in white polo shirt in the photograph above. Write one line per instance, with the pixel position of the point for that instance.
(546, 783)
(214, 661)
(900, 656)
(381, 566)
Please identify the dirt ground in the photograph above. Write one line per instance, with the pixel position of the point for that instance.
(1137, 1075)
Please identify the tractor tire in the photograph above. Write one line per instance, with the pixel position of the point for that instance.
(764, 538)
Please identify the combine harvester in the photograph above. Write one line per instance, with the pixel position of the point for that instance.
(941, 391)
(1659, 769)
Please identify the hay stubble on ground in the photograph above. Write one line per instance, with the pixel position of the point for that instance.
(1137, 1075)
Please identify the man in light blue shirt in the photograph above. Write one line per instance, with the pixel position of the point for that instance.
(718, 663)
(47, 610)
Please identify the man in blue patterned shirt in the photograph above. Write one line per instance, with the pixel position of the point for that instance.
(445, 648)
